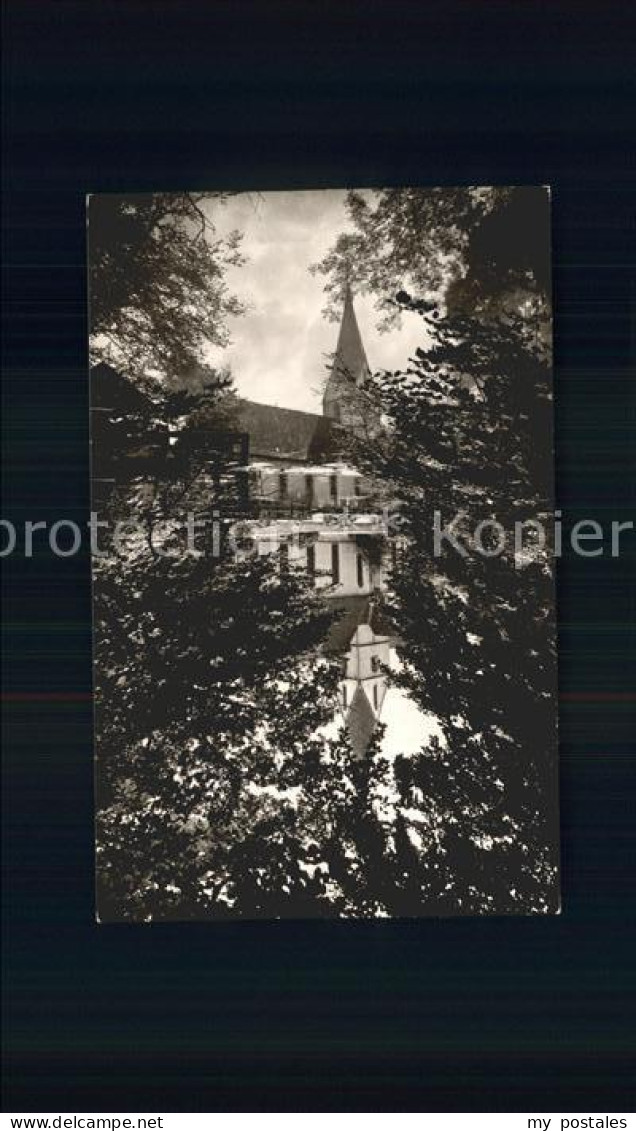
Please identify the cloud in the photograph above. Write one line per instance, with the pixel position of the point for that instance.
(280, 346)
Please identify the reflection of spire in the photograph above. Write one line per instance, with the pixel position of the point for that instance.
(364, 684)
(361, 722)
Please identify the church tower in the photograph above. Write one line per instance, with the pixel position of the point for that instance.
(343, 400)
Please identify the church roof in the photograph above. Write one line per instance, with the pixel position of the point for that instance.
(283, 433)
(350, 360)
(111, 390)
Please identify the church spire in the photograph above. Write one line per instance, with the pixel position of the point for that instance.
(350, 359)
(350, 366)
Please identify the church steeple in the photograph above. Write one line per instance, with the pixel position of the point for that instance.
(349, 369)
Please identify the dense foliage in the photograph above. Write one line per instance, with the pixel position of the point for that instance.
(219, 791)
(469, 435)
(482, 251)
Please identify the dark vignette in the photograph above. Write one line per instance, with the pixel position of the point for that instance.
(495, 1015)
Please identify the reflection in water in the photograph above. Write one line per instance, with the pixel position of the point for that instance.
(408, 728)
(348, 560)
(319, 512)
(366, 694)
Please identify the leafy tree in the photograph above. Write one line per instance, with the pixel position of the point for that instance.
(469, 429)
(476, 250)
(206, 693)
(506, 272)
(211, 684)
(158, 293)
(219, 793)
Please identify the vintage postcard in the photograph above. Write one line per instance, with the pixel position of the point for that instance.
(322, 535)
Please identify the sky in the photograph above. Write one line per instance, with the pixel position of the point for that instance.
(280, 347)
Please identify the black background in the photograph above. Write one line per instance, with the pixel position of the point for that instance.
(428, 1016)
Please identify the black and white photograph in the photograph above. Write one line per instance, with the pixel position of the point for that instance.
(321, 428)
(317, 551)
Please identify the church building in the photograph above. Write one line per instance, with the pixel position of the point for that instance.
(295, 457)
(317, 511)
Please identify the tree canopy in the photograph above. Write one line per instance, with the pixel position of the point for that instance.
(158, 291)
(476, 250)
(469, 434)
